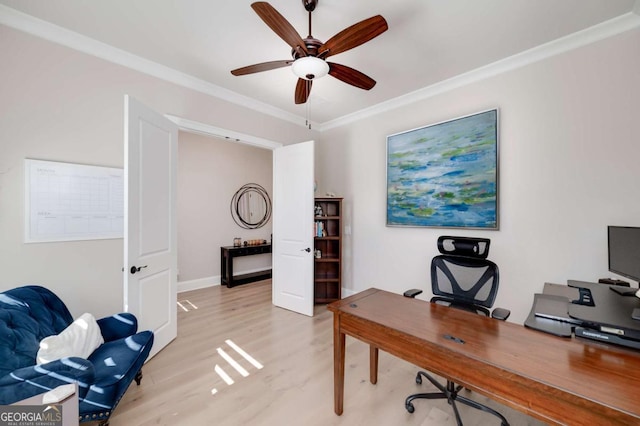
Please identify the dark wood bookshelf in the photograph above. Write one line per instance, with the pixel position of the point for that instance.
(328, 241)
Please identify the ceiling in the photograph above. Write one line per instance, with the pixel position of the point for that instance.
(428, 41)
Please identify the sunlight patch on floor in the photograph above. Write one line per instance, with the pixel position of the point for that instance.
(246, 356)
(233, 363)
(224, 376)
(186, 305)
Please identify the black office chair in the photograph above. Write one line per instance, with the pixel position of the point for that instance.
(462, 278)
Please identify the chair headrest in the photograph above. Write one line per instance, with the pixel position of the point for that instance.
(464, 246)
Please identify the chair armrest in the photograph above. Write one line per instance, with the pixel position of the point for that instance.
(118, 326)
(36, 379)
(412, 292)
(500, 314)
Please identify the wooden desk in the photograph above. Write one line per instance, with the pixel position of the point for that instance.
(554, 379)
(227, 254)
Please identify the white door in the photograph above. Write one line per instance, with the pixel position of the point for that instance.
(150, 248)
(292, 251)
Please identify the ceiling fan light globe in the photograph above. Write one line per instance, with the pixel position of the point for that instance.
(310, 68)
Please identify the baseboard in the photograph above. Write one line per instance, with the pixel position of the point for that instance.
(215, 280)
(198, 283)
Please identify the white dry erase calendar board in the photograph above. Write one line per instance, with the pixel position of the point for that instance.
(66, 202)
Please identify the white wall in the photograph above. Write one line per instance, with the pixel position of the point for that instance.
(62, 105)
(209, 174)
(569, 150)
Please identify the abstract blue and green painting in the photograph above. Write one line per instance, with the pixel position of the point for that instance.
(445, 175)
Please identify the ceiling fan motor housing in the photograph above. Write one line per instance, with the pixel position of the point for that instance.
(312, 45)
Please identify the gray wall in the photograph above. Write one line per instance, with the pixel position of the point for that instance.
(62, 105)
(210, 171)
(568, 165)
(569, 150)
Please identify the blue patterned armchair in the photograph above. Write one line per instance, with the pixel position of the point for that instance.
(29, 314)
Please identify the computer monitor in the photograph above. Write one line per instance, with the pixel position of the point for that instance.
(624, 251)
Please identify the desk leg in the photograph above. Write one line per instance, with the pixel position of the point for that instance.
(373, 364)
(338, 365)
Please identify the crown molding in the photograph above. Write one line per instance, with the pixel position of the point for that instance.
(56, 34)
(48, 31)
(612, 27)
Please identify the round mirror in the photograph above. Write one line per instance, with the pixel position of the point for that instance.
(251, 206)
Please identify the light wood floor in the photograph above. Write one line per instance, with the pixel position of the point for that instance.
(295, 385)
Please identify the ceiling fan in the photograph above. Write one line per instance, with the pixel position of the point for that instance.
(309, 54)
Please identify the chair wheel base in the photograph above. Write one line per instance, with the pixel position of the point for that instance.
(450, 393)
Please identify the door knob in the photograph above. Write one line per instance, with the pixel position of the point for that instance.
(308, 250)
(137, 269)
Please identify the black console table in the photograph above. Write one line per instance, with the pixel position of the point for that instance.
(226, 264)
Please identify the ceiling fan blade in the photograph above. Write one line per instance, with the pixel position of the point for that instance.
(264, 66)
(354, 36)
(303, 90)
(279, 25)
(351, 76)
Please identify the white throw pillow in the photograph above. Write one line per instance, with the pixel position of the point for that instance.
(79, 339)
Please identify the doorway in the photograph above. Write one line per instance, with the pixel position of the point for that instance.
(210, 170)
(304, 180)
